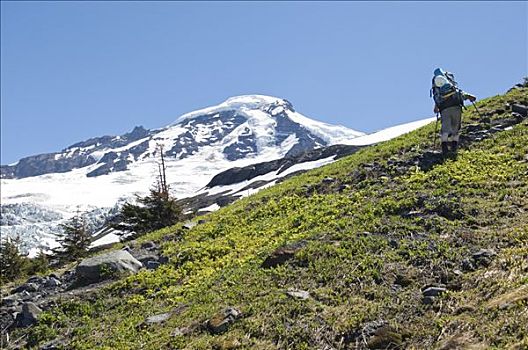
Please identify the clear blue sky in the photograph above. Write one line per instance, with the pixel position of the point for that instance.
(75, 70)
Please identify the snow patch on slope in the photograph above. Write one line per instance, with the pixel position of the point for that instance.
(332, 134)
(388, 133)
(263, 126)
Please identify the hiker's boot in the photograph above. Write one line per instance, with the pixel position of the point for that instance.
(454, 146)
(445, 149)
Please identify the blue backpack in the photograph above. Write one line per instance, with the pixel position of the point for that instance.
(445, 91)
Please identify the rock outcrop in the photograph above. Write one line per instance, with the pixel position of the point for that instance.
(106, 266)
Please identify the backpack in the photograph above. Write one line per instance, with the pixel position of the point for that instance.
(445, 91)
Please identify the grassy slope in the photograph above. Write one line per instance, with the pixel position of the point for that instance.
(366, 258)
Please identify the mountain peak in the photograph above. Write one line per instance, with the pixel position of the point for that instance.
(242, 102)
(253, 100)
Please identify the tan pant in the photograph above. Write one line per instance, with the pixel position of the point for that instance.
(451, 118)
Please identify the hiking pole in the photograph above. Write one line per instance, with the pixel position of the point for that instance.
(435, 132)
(478, 112)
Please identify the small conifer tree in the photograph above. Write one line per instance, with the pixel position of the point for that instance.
(38, 264)
(155, 211)
(75, 239)
(12, 262)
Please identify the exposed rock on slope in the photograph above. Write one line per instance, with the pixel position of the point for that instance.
(106, 266)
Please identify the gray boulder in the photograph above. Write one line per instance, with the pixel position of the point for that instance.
(29, 287)
(156, 319)
(431, 292)
(298, 294)
(149, 245)
(434, 291)
(29, 315)
(521, 109)
(106, 266)
(36, 279)
(52, 282)
(328, 180)
(6, 320)
(25, 295)
(152, 265)
(145, 258)
(483, 257)
(189, 225)
(10, 300)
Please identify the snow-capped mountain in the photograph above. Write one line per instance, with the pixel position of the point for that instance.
(95, 174)
(241, 127)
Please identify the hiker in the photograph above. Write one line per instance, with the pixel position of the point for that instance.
(449, 100)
